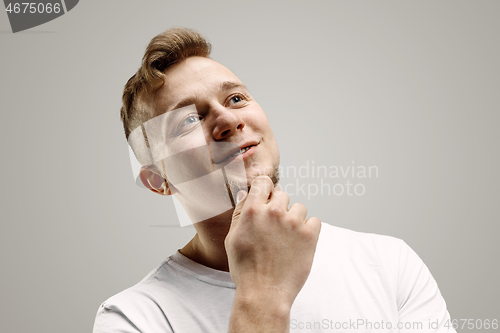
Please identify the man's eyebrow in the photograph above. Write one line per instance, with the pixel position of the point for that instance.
(226, 85)
(183, 103)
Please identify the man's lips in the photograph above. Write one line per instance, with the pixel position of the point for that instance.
(244, 150)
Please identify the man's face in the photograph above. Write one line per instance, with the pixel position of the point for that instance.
(211, 106)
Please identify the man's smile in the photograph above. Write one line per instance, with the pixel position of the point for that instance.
(242, 151)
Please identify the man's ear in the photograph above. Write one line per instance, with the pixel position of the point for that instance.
(151, 178)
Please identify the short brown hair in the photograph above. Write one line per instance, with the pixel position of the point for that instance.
(163, 51)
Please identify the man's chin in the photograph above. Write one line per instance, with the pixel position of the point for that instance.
(238, 183)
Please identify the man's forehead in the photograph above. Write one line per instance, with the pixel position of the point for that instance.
(196, 70)
(192, 78)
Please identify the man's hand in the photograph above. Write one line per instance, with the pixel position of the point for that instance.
(270, 250)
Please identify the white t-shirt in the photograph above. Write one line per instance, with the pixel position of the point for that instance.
(359, 282)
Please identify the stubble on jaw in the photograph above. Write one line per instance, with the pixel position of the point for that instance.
(271, 171)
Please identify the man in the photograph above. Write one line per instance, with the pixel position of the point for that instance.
(255, 264)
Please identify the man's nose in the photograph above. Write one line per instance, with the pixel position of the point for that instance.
(227, 123)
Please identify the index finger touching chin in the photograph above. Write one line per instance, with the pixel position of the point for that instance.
(260, 190)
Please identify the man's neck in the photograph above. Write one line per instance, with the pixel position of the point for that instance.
(207, 246)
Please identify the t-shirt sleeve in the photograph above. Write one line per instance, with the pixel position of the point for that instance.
(124, 313)
(420, 304)
(110, 319)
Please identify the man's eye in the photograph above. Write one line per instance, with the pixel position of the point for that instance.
(190, 120)
(235, 99)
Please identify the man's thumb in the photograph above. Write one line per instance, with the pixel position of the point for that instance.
(240, 196)
(240, 199)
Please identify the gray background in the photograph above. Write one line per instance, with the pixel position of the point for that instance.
(411, 87)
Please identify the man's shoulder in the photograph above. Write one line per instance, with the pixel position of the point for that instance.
(140, 294)
(350, 244)
(122, 309)
(348, 236)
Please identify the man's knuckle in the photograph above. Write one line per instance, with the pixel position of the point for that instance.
(292, 219)
(250, 210)
(275, 211)
(301, 206)
(281, 195)
(308, 234)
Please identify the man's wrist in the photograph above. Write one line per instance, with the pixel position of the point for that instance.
(255, 312)
(262, 302)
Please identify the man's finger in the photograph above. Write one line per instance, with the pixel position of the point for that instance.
(299, 210)
(260, 190)
(315, 224)
(240, 201)
(279, 197)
